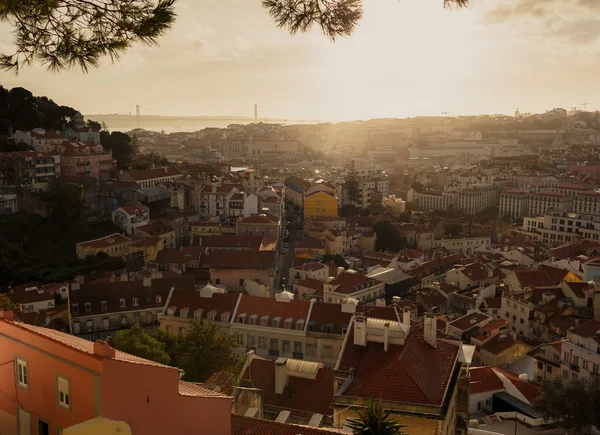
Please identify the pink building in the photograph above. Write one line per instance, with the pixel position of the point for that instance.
(85, 158)
(51, 381)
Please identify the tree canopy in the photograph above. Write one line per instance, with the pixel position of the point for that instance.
(122, 147)
(6, 304)
(200, 352)
(574, 405)
(388, 237)
(352, 184)
(62, 34)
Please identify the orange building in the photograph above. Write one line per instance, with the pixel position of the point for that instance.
(50, 381)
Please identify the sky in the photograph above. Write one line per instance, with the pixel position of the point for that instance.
(406, 58)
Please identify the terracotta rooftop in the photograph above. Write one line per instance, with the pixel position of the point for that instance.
(484, 380)
(155, 228)
(265, 219)
(498, 344)
(310, 243)
(242, 260)
(349, 283)
(310, 283)
(145, 242)
(308, 395)
(105, 242)
(270, 309)
(152, 174)
(229, 242)
(199, 307)
(241, 425)
(29, 294)
(132, 209)
(528, 277)
(415, 372)
(469, 321)
(195, 390)
(170, 256)
(588, 330)
(312, 266)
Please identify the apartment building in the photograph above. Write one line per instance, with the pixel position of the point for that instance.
(273, 327)
(85, 159)
(28, 170)
(514, 203)
(581, 352)
(99, 309)
(157, 229)
(294, 190)
(476, 199)
(353, 285)
(319, 203)
(115, 245)
(232, 269)
(541, 202)
(463, 245)
(54, 382)
(129, 217)
(152, 177)
(311, 270)
(264, 224)
(587, 202)
(386, 359)
(558, 227)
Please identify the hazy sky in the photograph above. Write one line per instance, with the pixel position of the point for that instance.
(408, 57)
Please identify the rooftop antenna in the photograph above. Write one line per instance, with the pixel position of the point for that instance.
(137, 115)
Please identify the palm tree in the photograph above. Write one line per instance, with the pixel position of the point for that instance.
(374, 420)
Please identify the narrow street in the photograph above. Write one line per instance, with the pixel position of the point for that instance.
(286, 259)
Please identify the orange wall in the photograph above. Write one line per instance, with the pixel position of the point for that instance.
(147, 398)
(45, 360)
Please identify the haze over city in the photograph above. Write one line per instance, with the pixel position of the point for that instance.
(406, 58)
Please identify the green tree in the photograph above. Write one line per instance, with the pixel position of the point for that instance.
(573, 404)
(62, 34)
(373, 419)
(388, 237)
(148, 161)
(138, 342)
(348, 210)
(6, 304)
(207, 350)
(417, 186)
(68, 206)
(122, 147)
(352, 184)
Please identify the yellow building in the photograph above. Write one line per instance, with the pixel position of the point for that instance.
(158, 229)
(206, 229)
(320, 203)
(115, 245)
(149, 247)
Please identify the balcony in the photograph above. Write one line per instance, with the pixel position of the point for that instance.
(298, 355)
(574, 367)
(274, 352)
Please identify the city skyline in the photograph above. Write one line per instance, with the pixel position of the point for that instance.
(415, 58)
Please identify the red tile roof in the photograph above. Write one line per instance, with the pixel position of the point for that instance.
(469, 321)
(105, 242)
(29, 294)
(242, 260)
(484, 380)
(498, 344)
(528, 277)
(294, 309)
(155, 228)
(241, 425)
(151, 174)
(227, 242)
(195, 390)
(219, 302)
(348, 283)
(588, 329)
(267, 219)
(415, 372)
(550, 193)
(310, 243)
(308, 395)
(312, 266)
(310, 283)
(132, 209)
(170, 256)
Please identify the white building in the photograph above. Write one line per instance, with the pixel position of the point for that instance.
(560, 227)
(581, 352)
(42, 141)
(463, 245)
(541, 202)
(8, 204)
(514, 203)
(130, 217)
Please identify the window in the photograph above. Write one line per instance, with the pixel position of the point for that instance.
(574, 376)
(250, 341)
(240, 339)
(75, 307)
(286, 345)
(549, 369)
(297, 347)
(122, 303)
(43, 427)
(88, 307)
(136, 302)
(158, 299)
(22, 373)
(104, 305)
(310, 350)
(262, 342)
(241, 282)
(327, 351)
(540, 365)
(63, 392)
(585, 364)
(218, 281)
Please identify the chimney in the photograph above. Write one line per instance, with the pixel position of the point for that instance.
(147, 282)
(431, 329)
(112, 277)
(386, 336)
(360, 329)
(124, 277)
(80, 279)
(349, 305)
(280, 375)
(380, 302)
(103, 349)
(74, 286)
(490, 273)
(406, 316)
(340, 270)
(166, 170)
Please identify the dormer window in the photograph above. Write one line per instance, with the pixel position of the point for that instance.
(300, 324)
(276, 321)
(312, 325)
(171, 310)
(198, 313)
(75, 307)
(88, 307)
(104, 305)
(287, 324)
(225, 317)
(158, 299)
(136, 302)
(329, 328)
(184, 312)
(122, 303)
(252, 319)
(242, 318)
(211, 315)
(264, 321)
